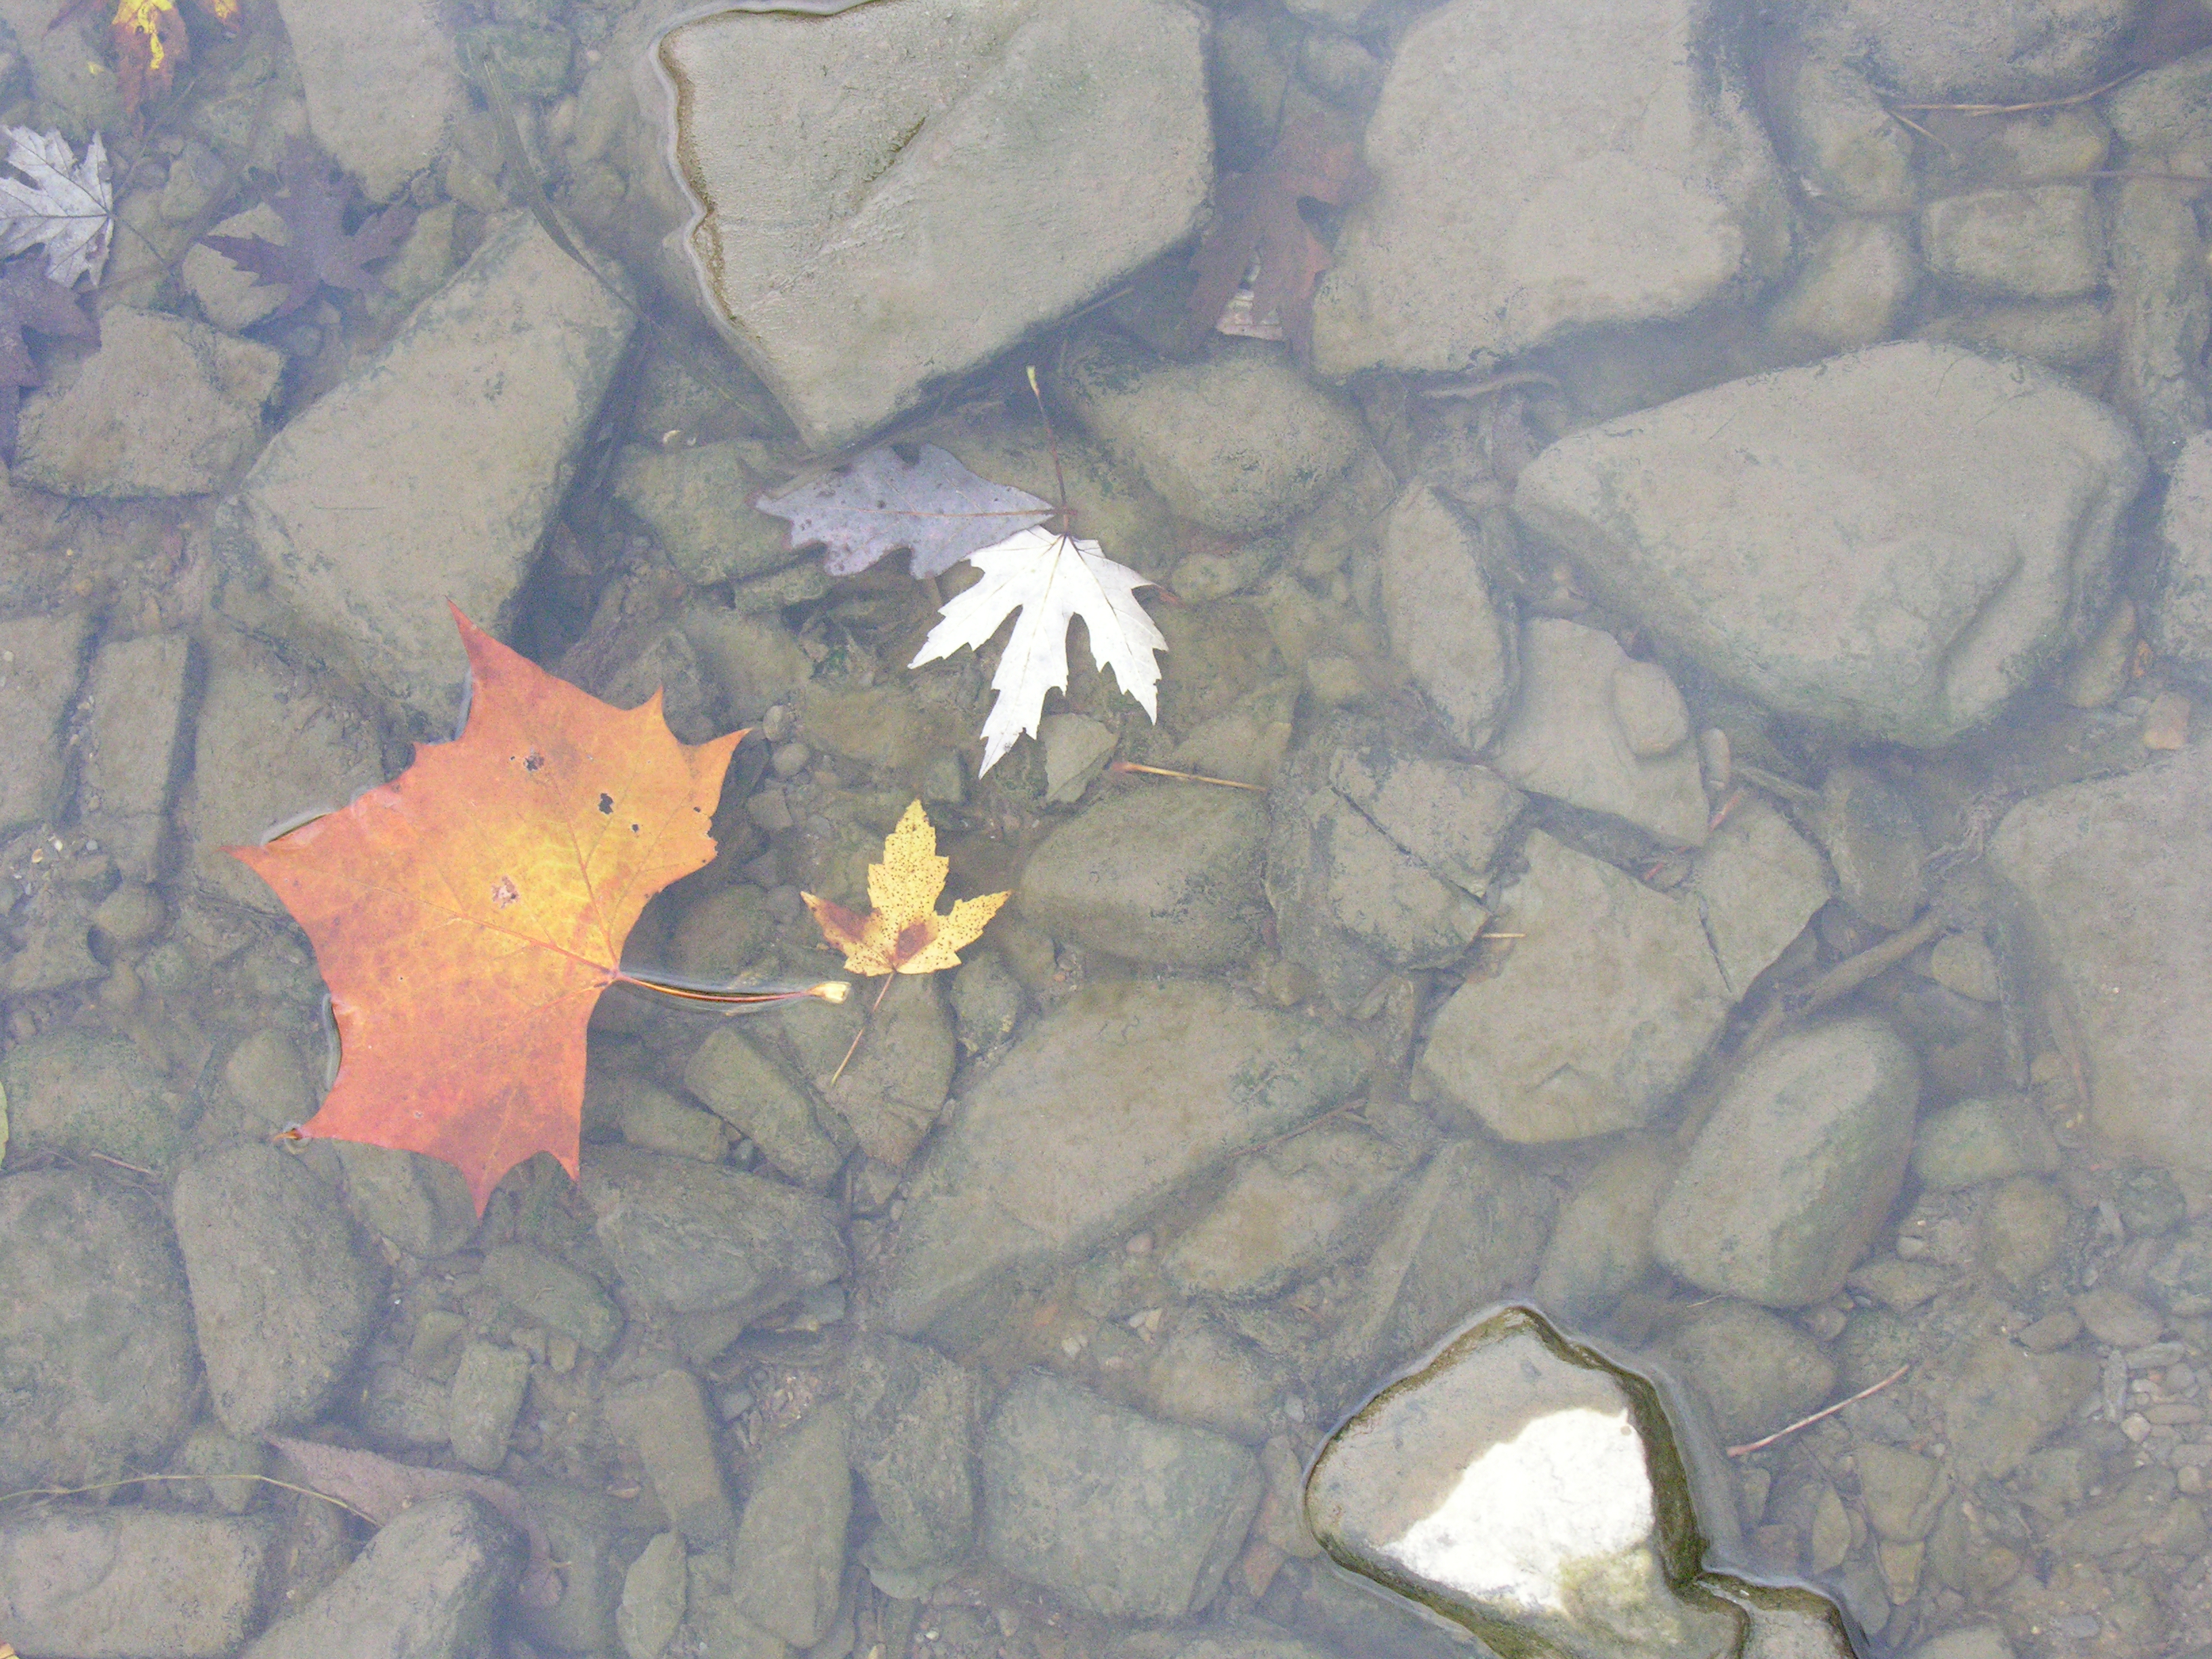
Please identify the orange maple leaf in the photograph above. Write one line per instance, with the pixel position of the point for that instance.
(467, 914)
(904, 934)
(151, 44)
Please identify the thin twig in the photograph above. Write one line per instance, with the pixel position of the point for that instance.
(2067, 102)
(853, 1047)
(1759, 778)
(1825, 1411)
(141, 1480)
(1496, 383)
(1845, 977)
(1186, 777)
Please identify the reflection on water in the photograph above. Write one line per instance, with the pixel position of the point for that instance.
(1682, 545)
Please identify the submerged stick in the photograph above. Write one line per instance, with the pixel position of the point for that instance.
(1825, 1411)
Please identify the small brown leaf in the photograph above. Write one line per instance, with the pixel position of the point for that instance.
(1256, 218)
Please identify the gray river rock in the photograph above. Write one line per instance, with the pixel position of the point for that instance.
(429, 1586)
(1163, 875)
(859, 251)
(696, 1239)
(2181, 620)
(1102, 1110)
(1629, 992)
(360, 523)
(1798, 1166)
(382, 87)
(283, 1300)
(96, 1330)
(2108, 873)
(165, 407)
(1595, 729)
(1907, 535)
(1513, 201)
(131, 1580)
(1238, 440)
(1116, 1513)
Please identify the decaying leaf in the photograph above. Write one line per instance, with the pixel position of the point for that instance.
(1257, 222)
(904, 933)
(64, 203)
(880, 502)
(151, 45)
(29, 299)
(380, 1488)
(467, 914)
(1051, 580)
(319, 250)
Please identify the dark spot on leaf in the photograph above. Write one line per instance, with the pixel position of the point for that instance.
(504, 893)
(534, 762)
(606, 806)
(912, 939)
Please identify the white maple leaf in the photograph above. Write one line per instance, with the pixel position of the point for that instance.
(67, 204)
(1050, 579)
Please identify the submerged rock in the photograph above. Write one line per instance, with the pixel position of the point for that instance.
(165, 407)
(131, 1580)
(1103, 1109)
(1523, 1486)
(95, 1331)
(1238, 442)
(282, 1302)
(1799, 1164)
(2111, 873)
(1595, 729)
(1116, 1513)
(2181, 620)
(1513, 200)
(696, 1238)
(1157, 875)
(897, 194)
(428, 475)
(1593, 1019)
(382, 86)
(429, 1586)
(1894, 542)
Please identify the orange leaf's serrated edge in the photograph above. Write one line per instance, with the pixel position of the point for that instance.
(466, 926)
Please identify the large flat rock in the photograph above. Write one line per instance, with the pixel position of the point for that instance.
(896, 194)
(429, 474)
(2110, 873)
(1895, 541)
(1110, 1105)
(1541, 169)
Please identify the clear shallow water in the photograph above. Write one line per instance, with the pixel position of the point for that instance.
(1731, 874)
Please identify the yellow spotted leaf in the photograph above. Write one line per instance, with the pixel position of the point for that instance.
(904, 934)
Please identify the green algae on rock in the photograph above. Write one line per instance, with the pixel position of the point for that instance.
(1523, 1486)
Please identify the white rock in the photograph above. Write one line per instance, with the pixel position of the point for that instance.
(912, 188)
(1547, 169)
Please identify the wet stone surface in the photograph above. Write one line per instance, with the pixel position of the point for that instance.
(1684, 804)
